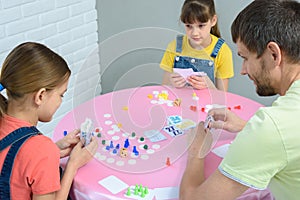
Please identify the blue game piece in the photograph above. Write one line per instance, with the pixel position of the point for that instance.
(65, 133)
(126, 144)
(111, 144)
(118, 146)
(135, 151)
(107, 148)
(115, 151)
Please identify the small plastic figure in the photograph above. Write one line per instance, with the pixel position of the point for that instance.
(123, 152)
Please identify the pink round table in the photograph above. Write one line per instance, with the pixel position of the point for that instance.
(128, 114)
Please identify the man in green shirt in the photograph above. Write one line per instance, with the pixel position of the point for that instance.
(266, 151)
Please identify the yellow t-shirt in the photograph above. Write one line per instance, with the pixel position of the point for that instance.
(223, 62)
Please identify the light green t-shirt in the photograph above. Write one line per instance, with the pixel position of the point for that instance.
(266, 153)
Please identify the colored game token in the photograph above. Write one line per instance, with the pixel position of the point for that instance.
(145, 146)
(133, 134)
(103, 142)
(128, 193)
(142, 139)
(168, 163)
(99, 135)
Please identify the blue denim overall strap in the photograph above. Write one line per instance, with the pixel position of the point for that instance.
(197, 64)
(15, 139)
(217, 48)
(179, 39)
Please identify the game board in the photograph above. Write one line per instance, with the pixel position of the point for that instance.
(140, 129)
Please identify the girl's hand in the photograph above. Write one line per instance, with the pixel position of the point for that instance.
(200, 82)
(177, 80)
(67, 143)
(80, 155)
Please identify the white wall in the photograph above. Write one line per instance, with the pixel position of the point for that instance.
(142, 29)
(69, 27)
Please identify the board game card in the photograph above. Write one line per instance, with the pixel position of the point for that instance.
(86, 133)
(208, 120)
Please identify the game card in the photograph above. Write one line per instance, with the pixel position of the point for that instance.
(173, 131)
(208, 120)
(86, 133)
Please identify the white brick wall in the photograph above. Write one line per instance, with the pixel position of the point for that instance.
(69, 27)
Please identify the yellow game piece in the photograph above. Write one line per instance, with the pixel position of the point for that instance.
(177, 102)
(150, 96)
(119, 125)
(125, 108)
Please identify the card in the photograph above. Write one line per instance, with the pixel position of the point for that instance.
(113, 184)
(166, 193)
(221, 150)
(186, 72)
(173, 131)
(86, 133)
(175, 119)
(208, 120)
(186, 124)
(155, 135)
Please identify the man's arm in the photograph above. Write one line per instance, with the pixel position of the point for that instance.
(217, 186)
(193, 184)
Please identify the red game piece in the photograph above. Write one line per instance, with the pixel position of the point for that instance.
(193, 108)
(237, 107)
(168, 163)
(203, 109)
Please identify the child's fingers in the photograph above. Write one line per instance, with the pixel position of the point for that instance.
(92, 147)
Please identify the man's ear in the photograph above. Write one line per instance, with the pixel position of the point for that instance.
(40, 96)
(275, 52)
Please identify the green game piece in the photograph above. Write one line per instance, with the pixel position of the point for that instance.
(133, 134)
(142, 194)
(128, 193)
(136, 190)
(145, 146)
(99, 135)
(141, 188)
(103, 142)
(142, 138)
(146, 190)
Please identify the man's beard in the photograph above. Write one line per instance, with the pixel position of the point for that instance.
(264, 87)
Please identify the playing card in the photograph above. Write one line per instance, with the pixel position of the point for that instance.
(208, 120)
(86, 133)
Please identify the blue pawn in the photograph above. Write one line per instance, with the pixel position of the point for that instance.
(115, 151)
(126, 144)
(107, 148)
(118, 146)
(111, 144)
(135, 151)
(65, 133)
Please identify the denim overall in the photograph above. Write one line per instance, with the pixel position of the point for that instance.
(15, 139)
(198, 65)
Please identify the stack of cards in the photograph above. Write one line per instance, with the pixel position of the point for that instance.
(86, 131)
(185, 73)
(208, 120)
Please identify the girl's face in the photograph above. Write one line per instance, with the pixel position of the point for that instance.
(198, 33)
(51, 103)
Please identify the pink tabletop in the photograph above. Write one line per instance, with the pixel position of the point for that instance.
(118, 114)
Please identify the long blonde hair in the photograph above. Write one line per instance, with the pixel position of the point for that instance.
(199, 11)
(29, 67)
